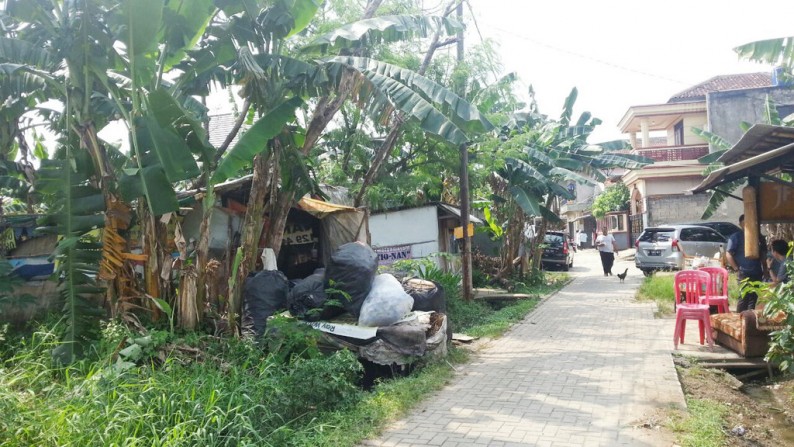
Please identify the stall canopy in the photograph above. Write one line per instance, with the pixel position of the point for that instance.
(763, 151)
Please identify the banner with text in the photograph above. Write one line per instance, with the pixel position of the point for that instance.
(388, 255)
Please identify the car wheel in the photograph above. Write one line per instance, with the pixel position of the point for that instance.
(565, 267)
(647, 273)
(570, 264)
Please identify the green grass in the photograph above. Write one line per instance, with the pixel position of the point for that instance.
(702, 426)
(659, 289)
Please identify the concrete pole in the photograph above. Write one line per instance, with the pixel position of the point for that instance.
(646, 138)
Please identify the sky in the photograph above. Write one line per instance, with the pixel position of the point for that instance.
(621, 53)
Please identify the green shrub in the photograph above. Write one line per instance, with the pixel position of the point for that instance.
(322, 383)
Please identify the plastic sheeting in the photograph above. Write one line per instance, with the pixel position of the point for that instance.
(343, 227)
(402, 343)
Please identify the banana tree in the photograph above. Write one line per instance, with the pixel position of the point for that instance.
(539, 155)
(102, 61)
(274, 75)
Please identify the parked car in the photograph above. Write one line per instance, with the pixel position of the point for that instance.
(724, 228)
(556, 251)
(664, 248)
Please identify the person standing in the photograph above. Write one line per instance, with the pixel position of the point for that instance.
(749, 269)
(607, 248)
(581, 238)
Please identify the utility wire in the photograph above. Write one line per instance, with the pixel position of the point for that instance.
(590, 58)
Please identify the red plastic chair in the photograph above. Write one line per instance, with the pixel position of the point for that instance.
(695, 283)
(717, 298)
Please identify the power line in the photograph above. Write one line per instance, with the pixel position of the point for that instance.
(590, 58)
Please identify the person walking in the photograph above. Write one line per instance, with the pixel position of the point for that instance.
(607, 248)
(581, 238)
(745, 268)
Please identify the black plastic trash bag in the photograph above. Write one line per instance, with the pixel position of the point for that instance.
(264, 293)
(349, 275)
(308, 301)
(428, 295)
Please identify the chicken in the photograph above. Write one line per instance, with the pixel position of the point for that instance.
(622, 276)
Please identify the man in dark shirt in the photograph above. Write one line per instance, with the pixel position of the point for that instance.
(779, 251)
(750, 269)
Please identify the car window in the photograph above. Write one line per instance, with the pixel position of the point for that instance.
(713, 236)
(554, 240)
(700, 235)
(691, 234)
(726, 230)
(657, 235)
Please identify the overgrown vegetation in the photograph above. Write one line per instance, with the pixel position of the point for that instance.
(169, 390)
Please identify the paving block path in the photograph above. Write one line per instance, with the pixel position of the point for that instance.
(585, 368)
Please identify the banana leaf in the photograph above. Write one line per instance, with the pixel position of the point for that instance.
(254, 141)
(74, 213)
(383, 29)
(458, 110)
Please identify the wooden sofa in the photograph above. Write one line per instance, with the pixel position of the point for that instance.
(741, 333)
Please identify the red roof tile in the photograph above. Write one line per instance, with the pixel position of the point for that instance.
(722, 83)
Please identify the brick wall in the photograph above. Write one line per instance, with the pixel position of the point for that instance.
(675, 209)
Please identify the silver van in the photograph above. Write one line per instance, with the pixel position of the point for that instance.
(665, 247)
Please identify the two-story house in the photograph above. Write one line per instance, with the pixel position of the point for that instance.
(663, 132)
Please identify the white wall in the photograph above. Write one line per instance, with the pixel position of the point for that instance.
(416, 226)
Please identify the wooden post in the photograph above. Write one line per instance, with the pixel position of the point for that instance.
(751, 225)
(464, 222)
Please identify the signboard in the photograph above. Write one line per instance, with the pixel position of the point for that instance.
(297, 235)
(776, 200)
(459, 231)
(388, 255)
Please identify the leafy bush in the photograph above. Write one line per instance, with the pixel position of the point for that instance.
(321, 383)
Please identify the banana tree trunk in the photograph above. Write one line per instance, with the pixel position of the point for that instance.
(278, 220)
(540, 235)
(252, 229)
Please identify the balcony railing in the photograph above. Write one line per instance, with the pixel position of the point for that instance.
(673, 153)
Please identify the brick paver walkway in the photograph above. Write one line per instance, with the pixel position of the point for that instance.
(583, 369)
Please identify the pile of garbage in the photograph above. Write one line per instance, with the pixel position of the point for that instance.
(395, 321)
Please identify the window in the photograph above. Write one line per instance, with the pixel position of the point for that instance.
(678, 132)
(713, 236)
(616, 223)
(785, 110)
(663, 235)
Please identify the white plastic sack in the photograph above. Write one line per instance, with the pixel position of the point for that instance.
(386, 303)
(269, 259)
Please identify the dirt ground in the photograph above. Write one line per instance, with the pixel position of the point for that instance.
(760, 413)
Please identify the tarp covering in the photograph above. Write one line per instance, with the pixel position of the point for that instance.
(341, 228)
(320, 209)
(422, 336)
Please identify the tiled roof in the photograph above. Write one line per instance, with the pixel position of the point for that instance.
(220, 127)
(722, 83)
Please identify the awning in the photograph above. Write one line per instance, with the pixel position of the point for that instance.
(777, 160)
(320, 209)
(456, 211)
(759, 139)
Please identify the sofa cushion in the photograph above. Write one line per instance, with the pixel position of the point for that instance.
(774, 323)
(729, 323)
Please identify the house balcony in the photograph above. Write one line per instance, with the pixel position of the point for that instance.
(673, 153)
